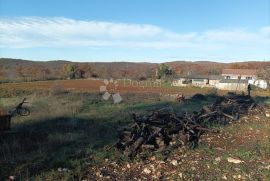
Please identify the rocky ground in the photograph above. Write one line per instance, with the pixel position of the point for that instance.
(241, 151)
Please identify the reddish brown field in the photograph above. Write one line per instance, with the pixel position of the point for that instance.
(90, 85)
(94, 86)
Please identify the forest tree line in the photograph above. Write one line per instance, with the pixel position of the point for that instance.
(21, 70)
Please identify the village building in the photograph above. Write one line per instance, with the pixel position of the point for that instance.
(180, 82)
(214, 80)
(232, 84)
(230, 79)
(244, 74)
(199, 81)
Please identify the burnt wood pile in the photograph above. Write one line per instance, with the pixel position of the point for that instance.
(164, 128)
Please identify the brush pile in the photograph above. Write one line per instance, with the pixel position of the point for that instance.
(165, 128)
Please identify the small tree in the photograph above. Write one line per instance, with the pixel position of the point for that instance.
(70, 70)
(264, 74)
(164, 71)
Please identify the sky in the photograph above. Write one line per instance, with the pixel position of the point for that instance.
(135, 30)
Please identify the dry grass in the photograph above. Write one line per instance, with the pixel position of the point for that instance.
(89, 85)
(67, 129)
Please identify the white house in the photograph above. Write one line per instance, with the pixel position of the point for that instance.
(230, 79)
(199, 81)
(214, 80)
(181, 82)
(244, 74)
(232, 84)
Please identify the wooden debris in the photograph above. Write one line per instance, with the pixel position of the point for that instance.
(163, 128)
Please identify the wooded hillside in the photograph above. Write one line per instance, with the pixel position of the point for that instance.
(25, 70)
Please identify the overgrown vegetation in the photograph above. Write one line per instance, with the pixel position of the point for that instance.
(63, 131)
(17, 70)
(68, 132)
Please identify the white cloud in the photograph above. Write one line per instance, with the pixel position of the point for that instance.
(56, 31)
(32, 32)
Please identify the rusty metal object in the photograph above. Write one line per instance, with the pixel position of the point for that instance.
(5, 117)
(5, 122)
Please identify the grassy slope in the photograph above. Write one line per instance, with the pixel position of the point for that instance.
(62, 131)
(66, 130)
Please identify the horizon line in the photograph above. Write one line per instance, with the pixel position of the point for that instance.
(136, 61)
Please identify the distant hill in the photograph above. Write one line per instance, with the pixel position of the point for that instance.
(18, 69)
(208, 68)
